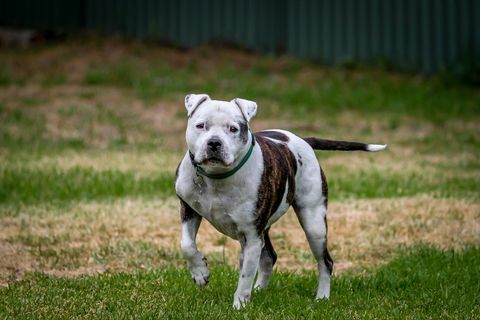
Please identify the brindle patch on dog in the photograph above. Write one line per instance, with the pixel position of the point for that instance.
(327, 259)
(324, 188)
(280, 167)
(326, 255)
(186, 212)
(269, 247)
(273, 135)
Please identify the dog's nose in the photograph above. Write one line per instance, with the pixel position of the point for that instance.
(214, 144)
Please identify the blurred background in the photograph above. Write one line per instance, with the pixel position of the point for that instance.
(92, 123)
(426, 35)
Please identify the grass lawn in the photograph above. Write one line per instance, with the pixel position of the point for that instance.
(423, 283)
(91, 133)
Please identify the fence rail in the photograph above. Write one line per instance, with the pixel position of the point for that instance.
(424, 35)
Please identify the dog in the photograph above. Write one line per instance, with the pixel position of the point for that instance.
(243, 182)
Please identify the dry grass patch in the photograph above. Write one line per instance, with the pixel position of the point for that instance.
(97, 118)
(142, 162)
(368, 231)
(134, 234)
(87, 237)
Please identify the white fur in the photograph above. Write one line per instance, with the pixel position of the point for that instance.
(376, 147)
(248, 108)
(196, 260)
(192, 101)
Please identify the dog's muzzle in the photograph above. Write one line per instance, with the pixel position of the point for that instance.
(226, 174)
(215, 152)
(214, 144)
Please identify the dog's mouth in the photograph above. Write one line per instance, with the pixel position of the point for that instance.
(213, 161)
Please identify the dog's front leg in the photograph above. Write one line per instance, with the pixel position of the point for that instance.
(196, 261)
(252, 248)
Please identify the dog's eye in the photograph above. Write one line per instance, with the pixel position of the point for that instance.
(200, 126)
(233, 129)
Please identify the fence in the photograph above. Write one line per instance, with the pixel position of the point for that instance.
(424, 35)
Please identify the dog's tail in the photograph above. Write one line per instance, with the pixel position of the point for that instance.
(323, 144)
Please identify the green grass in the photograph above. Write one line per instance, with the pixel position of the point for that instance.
(53, 186)
(20, 126)
(424, 283)
(158, 81)
(381, 184)
(26, 186)
(5, 76)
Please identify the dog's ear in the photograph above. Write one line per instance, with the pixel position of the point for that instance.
(248, 108)
(192, 101)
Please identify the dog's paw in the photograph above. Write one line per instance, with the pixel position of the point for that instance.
(200, 274)
(323, 291)
(323, 294)
(261, 283)
(200, 279)
(324, 298)
(240, 302)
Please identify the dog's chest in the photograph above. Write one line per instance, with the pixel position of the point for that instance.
(228, 208)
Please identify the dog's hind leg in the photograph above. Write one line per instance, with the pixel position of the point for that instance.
(196, 261)
(268, 258)
(314, 223)
(311, 210)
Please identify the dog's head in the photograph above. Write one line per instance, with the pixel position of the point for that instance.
(217, 131)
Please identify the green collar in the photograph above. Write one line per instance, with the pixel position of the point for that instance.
(223, 175)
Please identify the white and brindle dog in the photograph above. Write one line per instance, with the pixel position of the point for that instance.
(242, 183)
